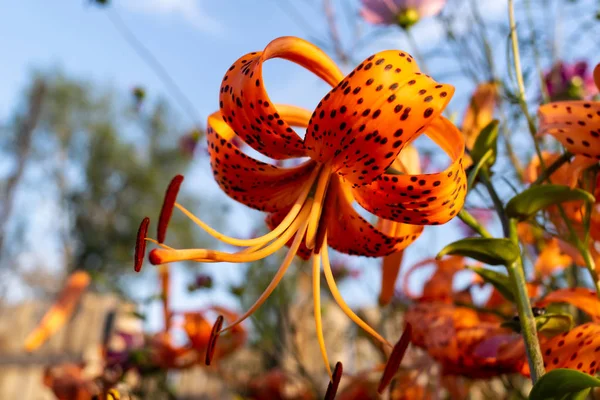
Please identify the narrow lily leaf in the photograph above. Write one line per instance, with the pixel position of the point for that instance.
(536, 198)
(486, 250)
(486, 141)
(500, 281)
(474, 172)
(553, 324)
(558, 383)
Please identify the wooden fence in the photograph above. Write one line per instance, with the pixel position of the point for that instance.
(21, 373)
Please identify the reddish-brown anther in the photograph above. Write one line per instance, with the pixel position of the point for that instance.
(395, 359)
(335, 382)
(140, 244)
(212, 341)
(167, 207)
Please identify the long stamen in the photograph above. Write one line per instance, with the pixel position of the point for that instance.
(335, 382)
(340, 301)
(317, 208)
(316, 277)
(391, 367)
(164, 273)
(245, 251)
(285, 223)
(167, 207)
(159, 256)
(212, 341)
(276, 279)
(140, 245)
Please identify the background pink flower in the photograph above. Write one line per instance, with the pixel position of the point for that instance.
(570, 81)
(388, 12)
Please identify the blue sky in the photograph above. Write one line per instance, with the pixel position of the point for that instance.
(196, 41)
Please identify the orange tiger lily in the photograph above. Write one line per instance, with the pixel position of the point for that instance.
(352, 138)
(570, 174)
(578, 348)
(461, 342)
(576, 124)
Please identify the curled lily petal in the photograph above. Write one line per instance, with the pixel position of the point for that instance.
(424, 199)
(576, 124)
(246, 107)
(255, 183)
(582, 298)
(350, 233)
(408, 162)
(380, 107)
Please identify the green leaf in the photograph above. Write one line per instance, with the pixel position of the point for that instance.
(486, 140)
(474, 170)
(554, 324)
(536, 198)
(500, 281)
(581, 395)
(558, 383)
(488, 250)
(548, 324)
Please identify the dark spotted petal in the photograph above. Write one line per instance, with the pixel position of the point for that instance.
(246, 107)
(577, 349)
(423, 199)
(254, 183)
(380, 107)
(576, 124)
(349, 233)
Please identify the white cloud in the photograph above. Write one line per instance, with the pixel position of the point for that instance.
(189, 10)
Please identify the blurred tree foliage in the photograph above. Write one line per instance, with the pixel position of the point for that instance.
(106, 158)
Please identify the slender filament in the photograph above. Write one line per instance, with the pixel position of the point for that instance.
(289, 257)
(340, 301)
(317, 208)
(204, 255)
(285, 223)
(316, 275)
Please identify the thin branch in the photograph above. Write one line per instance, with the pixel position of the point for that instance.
(24, 137)
(146, 55)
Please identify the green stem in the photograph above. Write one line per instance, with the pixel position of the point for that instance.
(516, 274)
(590, 264)
(485, 179)
(519, 75)
(552, 168)
(472, 223)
